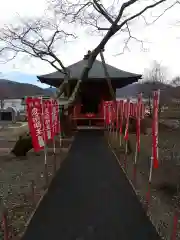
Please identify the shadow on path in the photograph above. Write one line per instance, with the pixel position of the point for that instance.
(90, 198)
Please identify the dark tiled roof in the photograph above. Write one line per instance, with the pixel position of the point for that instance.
(97, 72)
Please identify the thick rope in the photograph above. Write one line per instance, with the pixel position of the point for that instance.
(73, 95)
(61, 89)
(113, 94)
(71, 99)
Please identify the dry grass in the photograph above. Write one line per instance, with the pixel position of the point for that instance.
(16, 188)
(165, 181)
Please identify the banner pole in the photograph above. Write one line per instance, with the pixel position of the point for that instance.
(149, 184)
(60, 134)
(125, 157)
(138, 131)
(114, 124)
(59, 122)
(154, 155)
(104, 117)
(136, 156)
(120, 140)
(54, 153)
(54, 141)
(126, 136)
(45, 167)
(117, 118)
(45, 148)
(121, 122)
(109, 120)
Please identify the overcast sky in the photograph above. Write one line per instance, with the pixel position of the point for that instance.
(164, 47)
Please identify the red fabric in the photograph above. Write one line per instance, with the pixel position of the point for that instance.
(125, 109)
(155, 128)
(47, 118)
(121, 108)
(138, 121)
(106, 112)
(34, 114)
(117, 114)
(109, 113)
(55, 117)
(57, 129)
(126, 135)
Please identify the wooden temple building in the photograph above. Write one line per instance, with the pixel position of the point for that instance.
(93, 90)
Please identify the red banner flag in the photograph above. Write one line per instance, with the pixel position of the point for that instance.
(106, 112)
(121, 105)
(117, 114)
(125, 109)
(126, 135)
(55, 117)
(138, 121)
(34, 114)
(110, 113)
(47, 118)
(156, 95)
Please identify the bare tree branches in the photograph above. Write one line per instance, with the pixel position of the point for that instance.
(41, 38)
(156, 78)
(100, 8)
(145, 9)
(37, 38)
(164, 12)
(176, 81)
(114, 15)
(114, 28)
(128, 39)
(157, 74)
(84, 12)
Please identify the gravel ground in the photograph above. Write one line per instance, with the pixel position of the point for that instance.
(164, 200)
(16, 177)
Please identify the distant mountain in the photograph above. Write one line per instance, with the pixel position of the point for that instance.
(144, 88)
(129, 91)
(12, 89)
(53, 90)
(22, 78)
(167, 91)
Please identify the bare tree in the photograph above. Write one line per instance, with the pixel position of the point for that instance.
(155, 78)
(157, 74)
(176, 81)
(41, 37)
(36, 38)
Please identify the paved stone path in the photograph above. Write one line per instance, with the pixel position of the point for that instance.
(90, 198)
